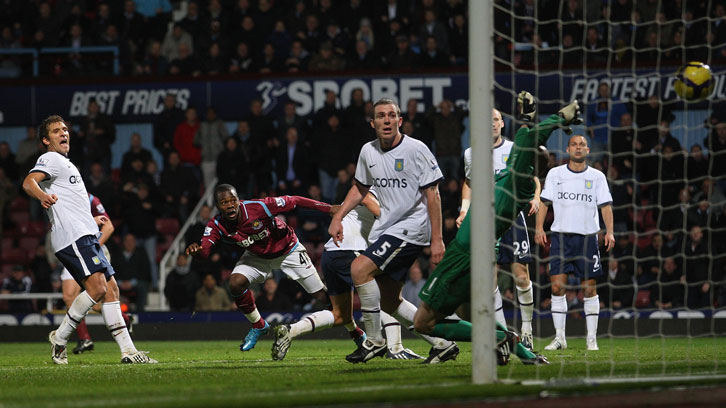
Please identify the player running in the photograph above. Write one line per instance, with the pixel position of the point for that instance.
(405, 175)
(57, 184)
(269, 244)
(449, 286)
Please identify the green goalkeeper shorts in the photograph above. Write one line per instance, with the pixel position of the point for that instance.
(449, 285)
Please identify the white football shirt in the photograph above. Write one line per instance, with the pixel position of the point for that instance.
(398, 176)
(575, 198)
(70, 217)
(500, 155)
(356, 228)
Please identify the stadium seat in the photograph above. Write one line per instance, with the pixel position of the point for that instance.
(642, 300)
(19, 203)
(29, 244)
(14, 256)
(167, 226)
(33, 229)
(19, 218)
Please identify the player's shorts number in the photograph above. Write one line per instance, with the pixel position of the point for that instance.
(596, 266)
(383, 249)
(521, 247)
(305, 259)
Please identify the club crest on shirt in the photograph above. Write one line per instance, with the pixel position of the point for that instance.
(96, 261)
(505, 157)
(280, 201)
(588, 184)
(399, 165)
(42, 162)
(207, 231)
(256, 224)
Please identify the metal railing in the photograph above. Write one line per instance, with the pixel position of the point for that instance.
(49, 297)
(168, 261)
(36, 53)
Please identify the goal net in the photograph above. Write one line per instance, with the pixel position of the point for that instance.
(661, 291)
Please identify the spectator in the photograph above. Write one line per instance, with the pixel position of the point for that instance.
(28, 151)
(132, 27)
(247, 33)
(332, 154)
(293, 170)
(179, 187)
(345, 181)
(181, 286)
(432, 56)
(402, 58)
(175, 37)
(325, 59)
(141, 209)
(603, 115)
(233, 165)
(194, 22)
(446, 128)
(195, 231)
(212, 298)
(268, 61)
(210, 138)
(242, 60)
(622, 144)
(136, 151)
(363, 58)
(42, 271)
(280, 40)
(414, 284)
(186, 64)
(184, 135)
(7, 162)
(624, 254)
(669, 291)
(310, 35)
(154, 63)
(620, 287)
(649, 262)
(165, 125)
(98, 184)
(312, 225)
(156, 14)
(290, 119)
(418, 121)
(459, 40)
(716, 144)
(697, 168)
(712, 193)
(18, 283)
(132, 272)
(97, 134)
(432, 28)
(698, 270)
(270, 300)
(297, 59)
(214, 36)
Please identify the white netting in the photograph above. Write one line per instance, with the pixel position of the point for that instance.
(662, 292)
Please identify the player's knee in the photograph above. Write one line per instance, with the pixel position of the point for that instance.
(590, 291)
(558, 289)
(238, 284)
(423, 321)
(521, 275)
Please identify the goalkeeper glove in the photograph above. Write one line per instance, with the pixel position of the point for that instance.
(527, 107)
(571, 114)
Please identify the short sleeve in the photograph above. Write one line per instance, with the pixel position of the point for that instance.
(429, 171)
(467, 163)
(603, 192)
(46, 165)
(362, 175)
(547, 191)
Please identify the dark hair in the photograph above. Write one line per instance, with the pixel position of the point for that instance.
(224, 188)
(388, 101)
(43, 128)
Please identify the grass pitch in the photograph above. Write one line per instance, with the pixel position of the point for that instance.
(314, 373)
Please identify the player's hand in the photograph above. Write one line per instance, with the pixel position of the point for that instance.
(534, 206)
(609, 241)
(48, 200)
(193, 248)
(571, 113)
(437, 251)
(527, 107)
(100, 220)
(540, 238)
(460, 218)
(336, 231)
(334, 209)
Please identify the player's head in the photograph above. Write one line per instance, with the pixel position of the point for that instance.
(227, 201)
(577, 148)
(497, 124)
(53, 134)
(386, 120)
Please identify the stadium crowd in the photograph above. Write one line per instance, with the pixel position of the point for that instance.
(669, 203)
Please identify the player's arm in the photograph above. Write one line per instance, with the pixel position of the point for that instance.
(607, 216)
(210, 237)
(106, 227)
(536, 201)
(540, 238)
(353, 198)
(465, 202)
(32, 188)
(304, 202)
(371, 203)
(433, 205)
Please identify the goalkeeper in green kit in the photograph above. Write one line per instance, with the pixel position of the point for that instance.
(449, 286)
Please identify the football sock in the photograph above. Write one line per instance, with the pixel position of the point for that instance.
(317, 321)
(393, 332)
(559, 314)
(498, 308)
(405, 314)
(354, 330)
(82, 331)
(246, 304)
(526, 306)
(111, 312)
(80, 307)
(456, 331)
(592, 312)
(370, 306)
(127, 319)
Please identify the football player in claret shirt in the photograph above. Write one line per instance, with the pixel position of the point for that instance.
(269, 244)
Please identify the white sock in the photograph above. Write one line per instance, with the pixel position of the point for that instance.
(559, 314)
(80, 307)
(370, 305)
(592, 312)
(498, 308)
(111, 312)
(405, 313)
(393, 332)
(253, 317)
(317, 321)
(526, 306)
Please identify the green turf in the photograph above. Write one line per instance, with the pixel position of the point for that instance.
(315, 373)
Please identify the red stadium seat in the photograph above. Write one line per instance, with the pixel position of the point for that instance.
(14, 256)
(167, 226)
(642, 300)
(29, 244)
